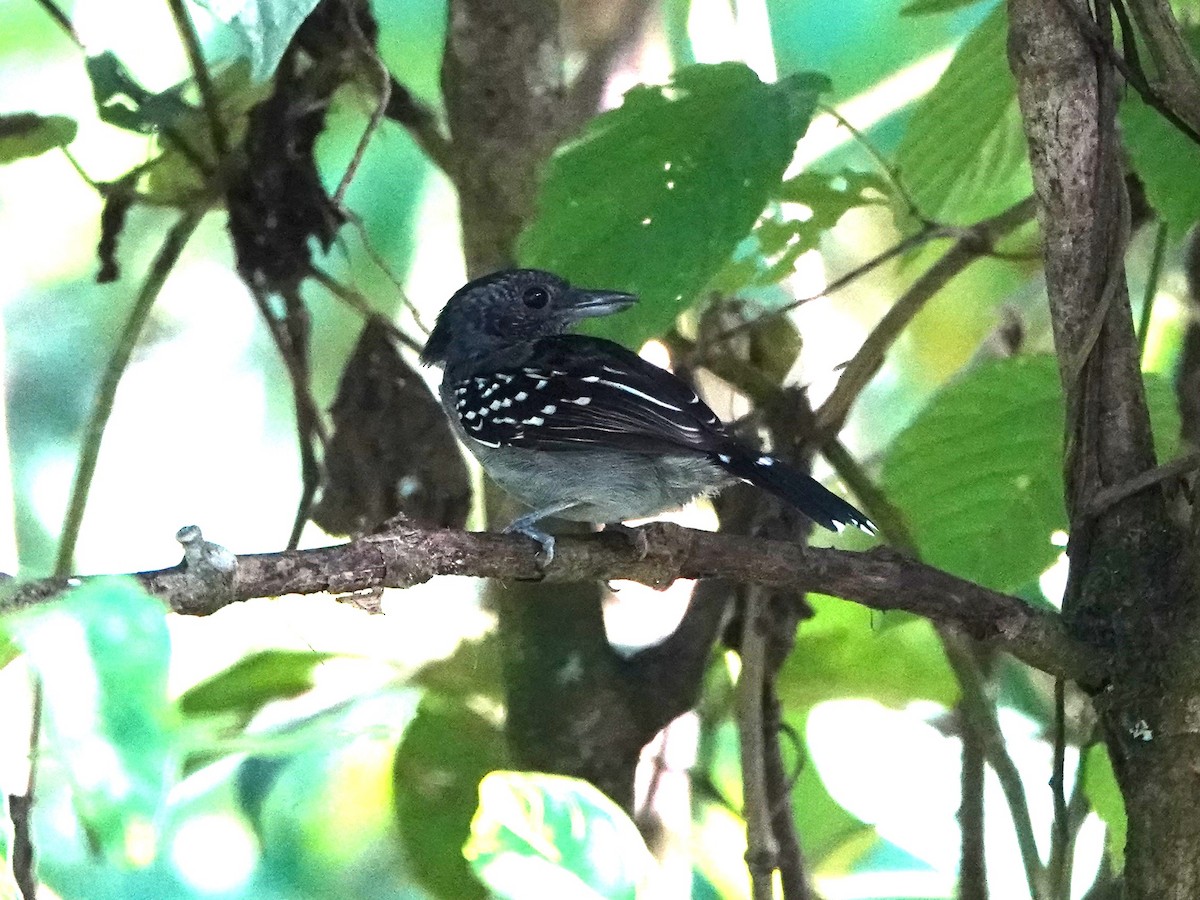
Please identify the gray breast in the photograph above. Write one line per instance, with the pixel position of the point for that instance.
(606, 485)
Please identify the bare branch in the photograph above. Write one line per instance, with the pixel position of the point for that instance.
(880, 578)
(974, 243)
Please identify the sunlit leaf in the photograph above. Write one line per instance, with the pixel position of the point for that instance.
(843, 651)
(1103, 792)
(978, 473)
(267, 27)
(654, 196)
(28, 134)
(963, 156)
(1165, 158)
(445, 752)
(102, 654)
(541, 835)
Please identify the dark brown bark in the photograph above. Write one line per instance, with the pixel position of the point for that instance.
(1130, 592)
(880, 578)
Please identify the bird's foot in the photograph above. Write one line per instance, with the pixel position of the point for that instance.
(525, 525)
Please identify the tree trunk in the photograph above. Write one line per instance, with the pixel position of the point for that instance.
(1131, 588)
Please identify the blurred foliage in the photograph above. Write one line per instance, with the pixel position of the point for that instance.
(28, 134)
(552, 836)
(248, 778)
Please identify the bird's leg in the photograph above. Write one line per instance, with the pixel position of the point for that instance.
(527, 525)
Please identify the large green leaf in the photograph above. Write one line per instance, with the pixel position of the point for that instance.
(843, 651)
(1166, 159)
(541, 835)
(978, 473)
(1103, 792)
(654, 197)
(28, 134)
(963, 156)
(447, 749)
(102, 654)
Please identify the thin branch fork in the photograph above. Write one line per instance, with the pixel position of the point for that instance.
(657, 555)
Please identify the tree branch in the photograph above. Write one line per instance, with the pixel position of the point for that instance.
(974, 243)
(880, 578)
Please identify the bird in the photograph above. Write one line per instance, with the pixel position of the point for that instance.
(581, 428)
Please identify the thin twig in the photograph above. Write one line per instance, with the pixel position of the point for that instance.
(1107, 497)
(106, 391)
(1060, 832)
(208, 94)
(1062, 845)
(972, 864)
(20, 807)
(382, 264)
(888, 169)
(761, 848)
(63, 20)
(980, 715)
(381, 105)
(359, 304)
(927, 233)
(971, 246)
(1152, 278)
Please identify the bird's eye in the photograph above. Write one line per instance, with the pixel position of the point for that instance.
(536, 297)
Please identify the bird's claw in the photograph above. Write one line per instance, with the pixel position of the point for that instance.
(546, 541)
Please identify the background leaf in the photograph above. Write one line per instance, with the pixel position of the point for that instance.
(978, 473)
(1165, 158)
(28, 134)
(102, 654)
(654, 196)
(1100, 786)
(964, 156)
(447, 749)
(553, 836)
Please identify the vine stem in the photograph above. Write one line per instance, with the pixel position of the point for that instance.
(102, 406)
(762, 849)
(1152, 278)
(208, 93)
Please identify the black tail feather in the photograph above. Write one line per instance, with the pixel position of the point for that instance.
(808, 495)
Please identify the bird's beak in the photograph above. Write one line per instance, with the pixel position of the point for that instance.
(585, 304)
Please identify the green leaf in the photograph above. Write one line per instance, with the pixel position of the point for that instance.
(1166, 159)
(929, 7)
(541, 835)
(28, 134)
(445, 752)
(173, 178)
(843, 651)
(978, 473)
(963, 156)
(783, 237)
(253, 682)
(123, 102)
(101, 653)
(1101, 788)
(654, 197)
(267, 27)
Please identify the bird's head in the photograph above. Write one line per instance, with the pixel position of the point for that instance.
(510, 308)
